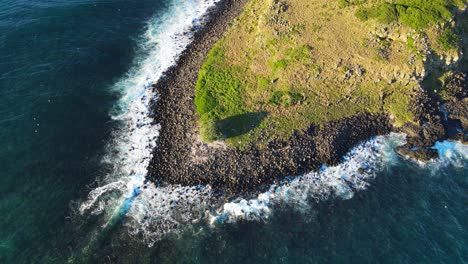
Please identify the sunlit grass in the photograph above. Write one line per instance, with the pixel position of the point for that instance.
(314, 61)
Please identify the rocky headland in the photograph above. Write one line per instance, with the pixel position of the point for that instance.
(182, 157)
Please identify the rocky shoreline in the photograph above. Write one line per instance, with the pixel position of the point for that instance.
(438, 120)
(182, 158)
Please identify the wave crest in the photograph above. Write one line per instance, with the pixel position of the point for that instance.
(155, 211)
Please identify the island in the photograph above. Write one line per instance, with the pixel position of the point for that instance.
(276, 88)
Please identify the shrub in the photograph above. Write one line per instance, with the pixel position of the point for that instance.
(218, 91)
(448, 39)
(344, 3)
(410, 44)
(363, 14)
(263, 83)
(386, 13)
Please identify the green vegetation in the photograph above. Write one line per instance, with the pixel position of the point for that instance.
(279, 65)
(448, 39)
(346, 3)
(287, 64)
(417, 14)
(219, 94)
(286, 99)
(410, 43)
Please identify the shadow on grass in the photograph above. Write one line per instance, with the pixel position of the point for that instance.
(240, 124)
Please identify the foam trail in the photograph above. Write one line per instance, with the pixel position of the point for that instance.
(170, 209)
(154, 211)
(162, 210)
(158, 211)
(454, 153)
(359, 166)
(129, 151)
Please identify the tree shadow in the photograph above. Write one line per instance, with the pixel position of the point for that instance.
(238, 125)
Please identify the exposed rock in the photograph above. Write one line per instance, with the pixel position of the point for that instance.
(456, 87)
(456, 105)
(448, 122)
(458, 110)
(181, 158)
(422, 154)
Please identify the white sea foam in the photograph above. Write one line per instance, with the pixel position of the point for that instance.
(450, 154)
(360, 165)
(129, 152)
(158, 211)
(154, 211)
(455, 153)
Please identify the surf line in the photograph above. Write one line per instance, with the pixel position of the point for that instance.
(129, 150)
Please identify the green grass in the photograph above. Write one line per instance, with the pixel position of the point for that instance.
(417, 14)
(278, 70)
(448, 39)
(346, 3)
(397, 104)
(219, 94)
(279, 65)
(410, 44)
(285, 99)
(292, 55)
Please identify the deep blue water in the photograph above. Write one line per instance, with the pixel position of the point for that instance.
(58, 63)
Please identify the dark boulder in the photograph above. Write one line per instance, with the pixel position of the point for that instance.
(421, 154)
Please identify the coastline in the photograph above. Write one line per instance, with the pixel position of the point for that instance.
(180, 157)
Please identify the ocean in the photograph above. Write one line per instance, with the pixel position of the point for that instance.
(76, 137)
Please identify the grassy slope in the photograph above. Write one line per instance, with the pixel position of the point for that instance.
(284, 65)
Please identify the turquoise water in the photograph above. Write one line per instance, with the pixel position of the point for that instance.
(74, 138)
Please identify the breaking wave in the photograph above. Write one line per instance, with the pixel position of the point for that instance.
(129, 152)
(153, 211)
(162, 210)
(130, 147)
(450, 153)
(158, 211)
(359, 166)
